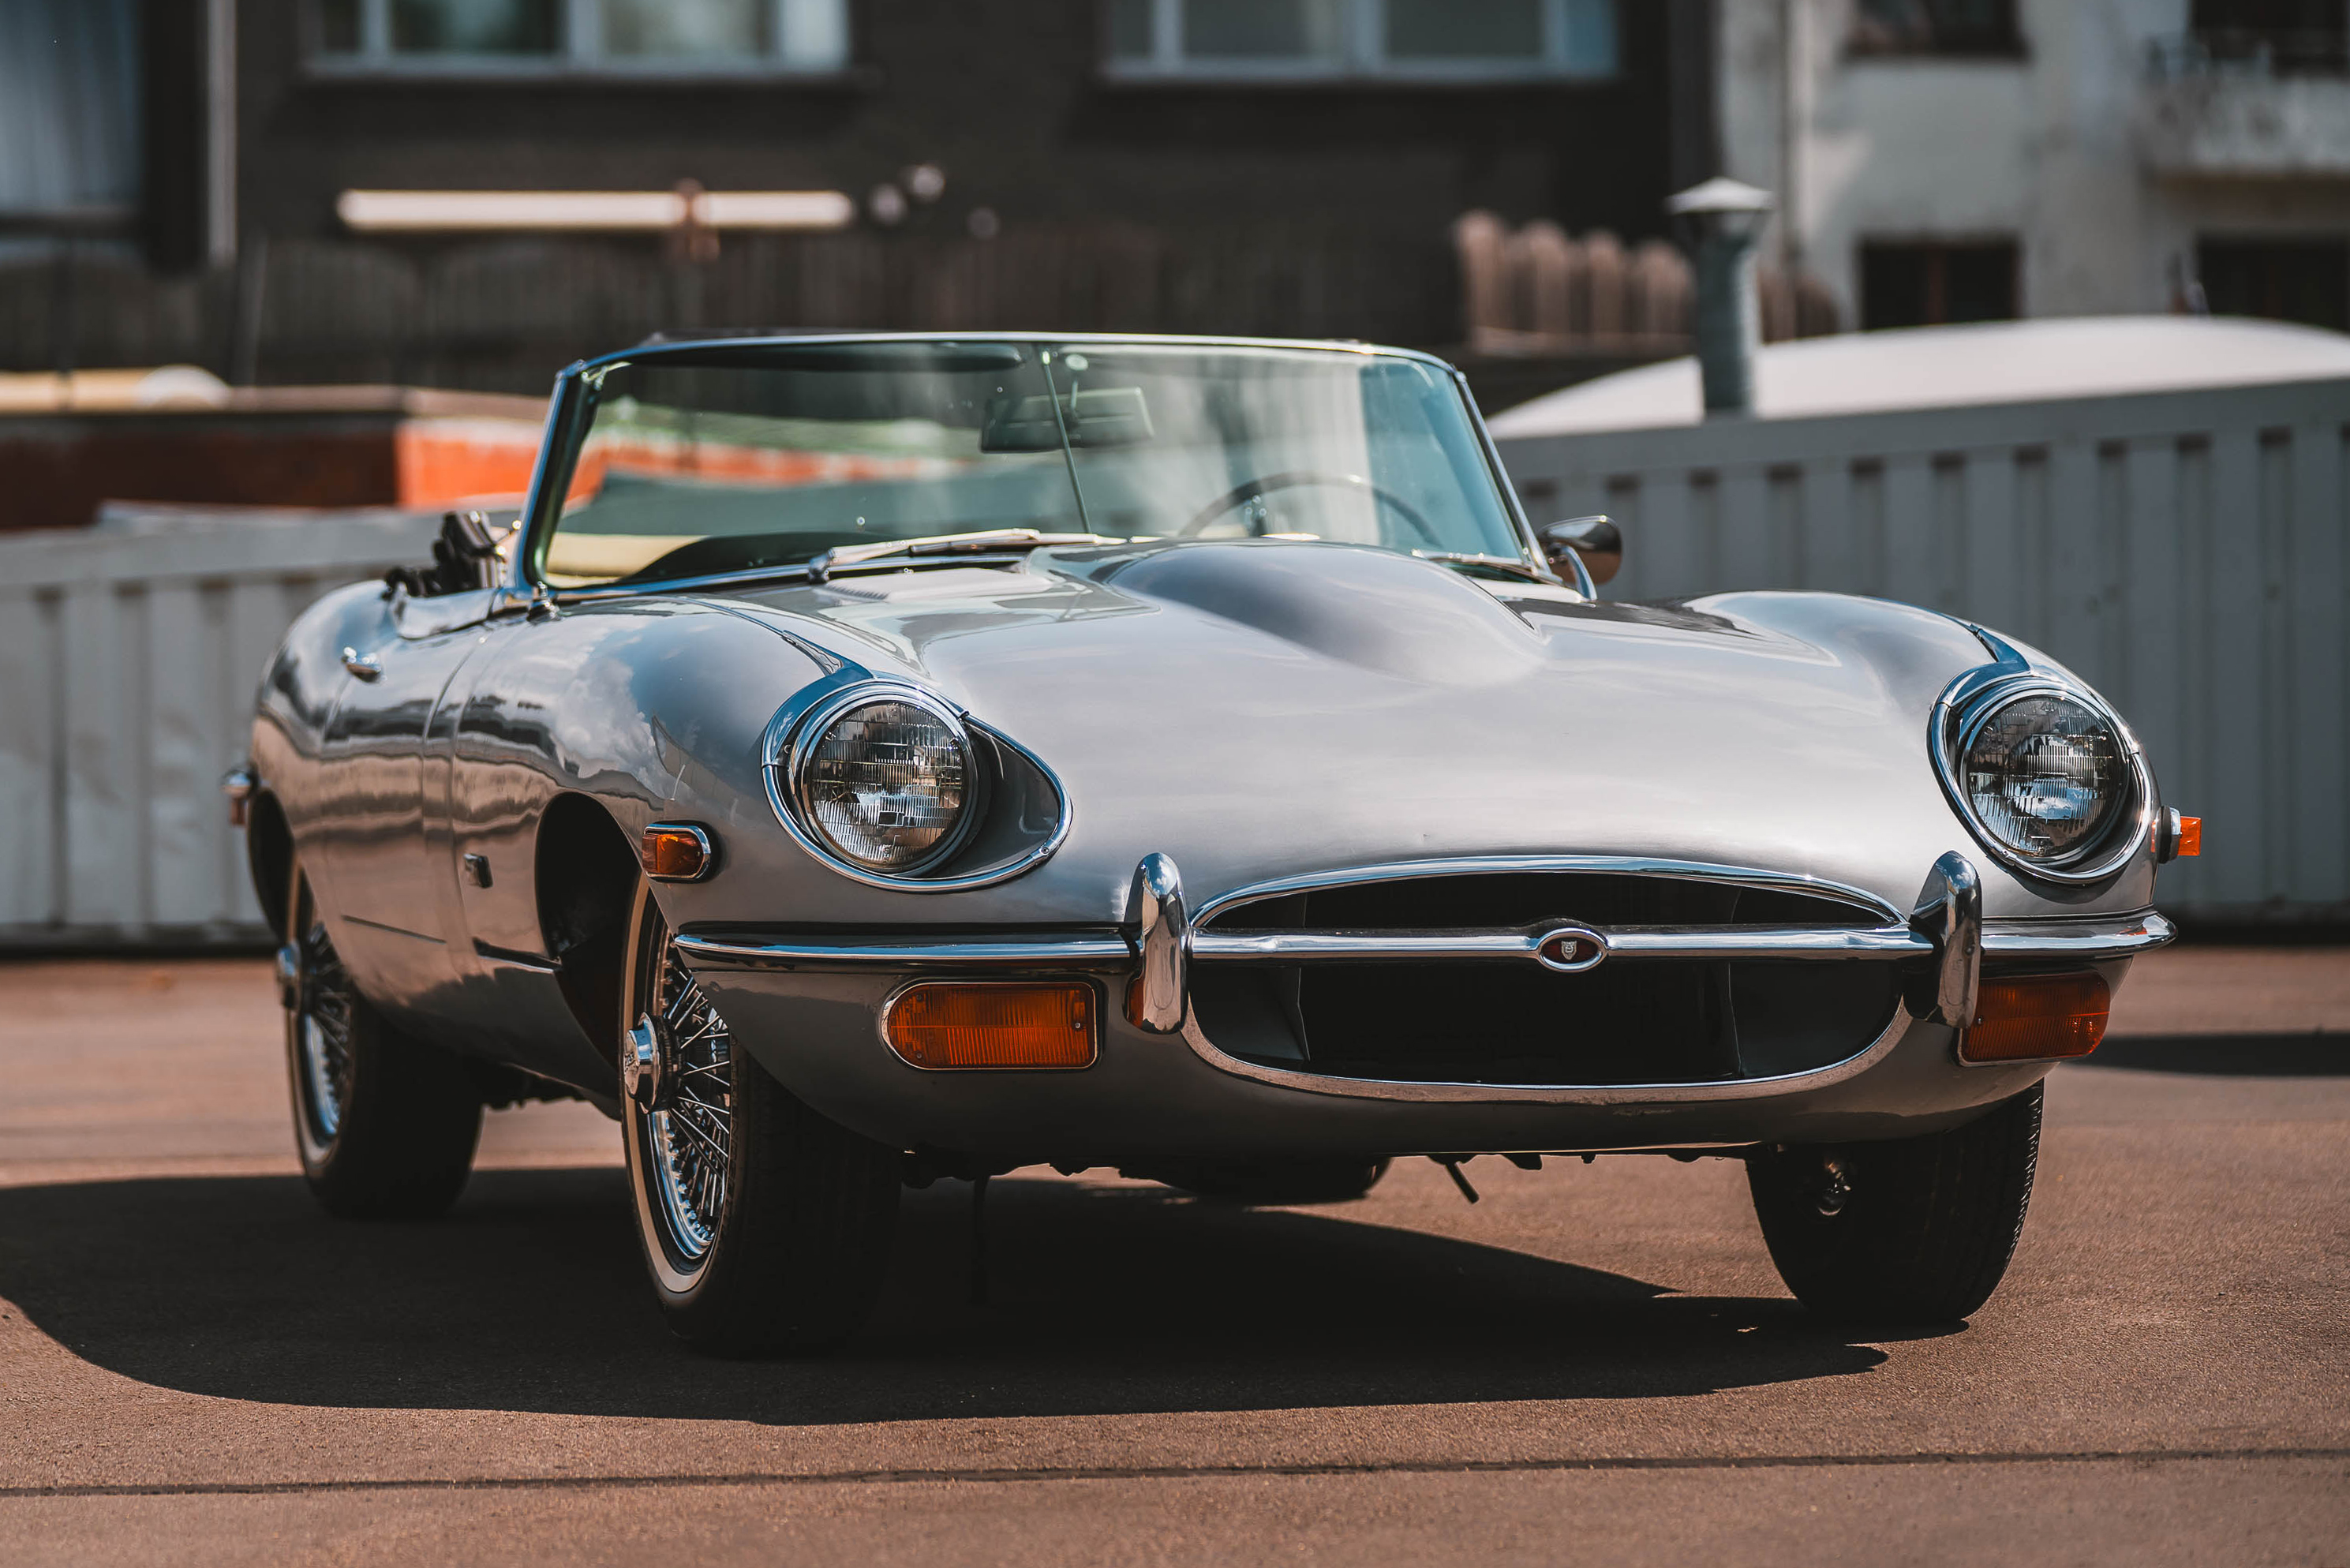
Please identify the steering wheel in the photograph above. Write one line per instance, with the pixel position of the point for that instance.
(1296, 479)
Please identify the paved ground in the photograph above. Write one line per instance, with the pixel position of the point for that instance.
(1593, 1364)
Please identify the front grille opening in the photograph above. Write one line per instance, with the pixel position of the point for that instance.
(1660, 1021)
(1507, 900)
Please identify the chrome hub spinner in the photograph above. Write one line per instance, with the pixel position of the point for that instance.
(648, 1063)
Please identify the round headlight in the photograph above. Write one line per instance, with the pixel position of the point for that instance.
(2046, 775)
(887, 782)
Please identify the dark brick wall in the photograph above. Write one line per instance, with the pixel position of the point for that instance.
(1307, 211)
(1006, 96)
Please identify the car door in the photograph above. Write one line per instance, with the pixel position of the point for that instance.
(506, 764)
(388, 854)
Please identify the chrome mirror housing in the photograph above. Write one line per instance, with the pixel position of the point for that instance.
(1595, 540)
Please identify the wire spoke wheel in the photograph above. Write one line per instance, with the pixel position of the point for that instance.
(677, 1080)
(689, 1136)
(764, 1226)
(320, 1019)
(385, 1122)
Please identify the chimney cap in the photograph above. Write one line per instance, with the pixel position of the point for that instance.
(1720, 194)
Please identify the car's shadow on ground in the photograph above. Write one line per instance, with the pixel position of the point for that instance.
(1102, 1299)
(2313, 1055)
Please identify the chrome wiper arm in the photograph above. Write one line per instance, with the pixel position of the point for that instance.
(1497, 563)
(825, 563)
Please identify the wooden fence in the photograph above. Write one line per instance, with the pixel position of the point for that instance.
(504, 315)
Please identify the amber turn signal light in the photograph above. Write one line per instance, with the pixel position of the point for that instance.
(676, 852)
(943, 1026)
(2190, 837)
(2037, 1018)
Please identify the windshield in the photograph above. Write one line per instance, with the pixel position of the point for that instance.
(729, 460)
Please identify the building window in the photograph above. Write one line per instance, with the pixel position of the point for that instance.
(1931, 285)
(1405, 41)
(2285, 280)
(2286, 36)
(1980, 27)
(620, 35)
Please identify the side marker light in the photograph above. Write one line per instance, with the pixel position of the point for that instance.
(2037, 1018)
(2176, 835)
(945, 1025)
(676, 852)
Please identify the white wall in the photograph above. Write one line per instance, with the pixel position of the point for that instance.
(2046, 149)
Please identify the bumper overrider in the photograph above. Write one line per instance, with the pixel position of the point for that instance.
(1165, 1081)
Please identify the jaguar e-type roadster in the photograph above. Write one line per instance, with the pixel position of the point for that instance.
(873, 759)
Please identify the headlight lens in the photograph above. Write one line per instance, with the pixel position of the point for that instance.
(2046, 776)
(886, 784)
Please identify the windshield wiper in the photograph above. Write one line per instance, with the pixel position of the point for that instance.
(825, 563)
(1516, 568)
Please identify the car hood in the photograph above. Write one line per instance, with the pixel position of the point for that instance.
(1261, 709)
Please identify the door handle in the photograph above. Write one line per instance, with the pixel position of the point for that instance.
(365, 666)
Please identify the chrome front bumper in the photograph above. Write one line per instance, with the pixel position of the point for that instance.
(802, 985)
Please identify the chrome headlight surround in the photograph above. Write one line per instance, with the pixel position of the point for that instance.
(790, 750)
(1961, 716)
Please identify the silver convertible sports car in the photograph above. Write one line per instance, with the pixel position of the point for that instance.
(874, 759)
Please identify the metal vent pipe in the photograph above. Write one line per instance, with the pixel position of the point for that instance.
(1717, 223)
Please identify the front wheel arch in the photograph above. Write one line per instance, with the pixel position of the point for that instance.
(269, 856)
(585, 877)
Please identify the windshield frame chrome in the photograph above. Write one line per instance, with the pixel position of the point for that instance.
(567, 430)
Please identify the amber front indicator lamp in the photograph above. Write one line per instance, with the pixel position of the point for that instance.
(2037, 1018)
(676, 852)
(939, 1025)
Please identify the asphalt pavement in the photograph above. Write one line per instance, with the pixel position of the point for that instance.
(1595, 1363)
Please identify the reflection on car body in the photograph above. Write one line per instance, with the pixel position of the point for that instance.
(874, 759)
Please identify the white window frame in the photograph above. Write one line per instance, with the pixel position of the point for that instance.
(798, 49)
(1362, 28)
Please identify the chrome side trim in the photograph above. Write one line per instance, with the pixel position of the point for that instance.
(1549, 1094)
(2094, 939)
(1617, 943)
(1495, 865)
(516, 958)
(861, 953)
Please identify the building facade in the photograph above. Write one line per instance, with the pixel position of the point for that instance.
(1955, 159)
(1205, 165)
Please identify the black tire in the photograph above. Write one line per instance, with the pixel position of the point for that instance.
(385, 1123)
(765, 1227)
(1922, 1229)
(1274, 1183)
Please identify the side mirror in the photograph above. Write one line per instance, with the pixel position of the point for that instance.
(1597, 540)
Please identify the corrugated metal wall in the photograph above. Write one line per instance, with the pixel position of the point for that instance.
(2189, 554)
(127, 665)
(2186, 553)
